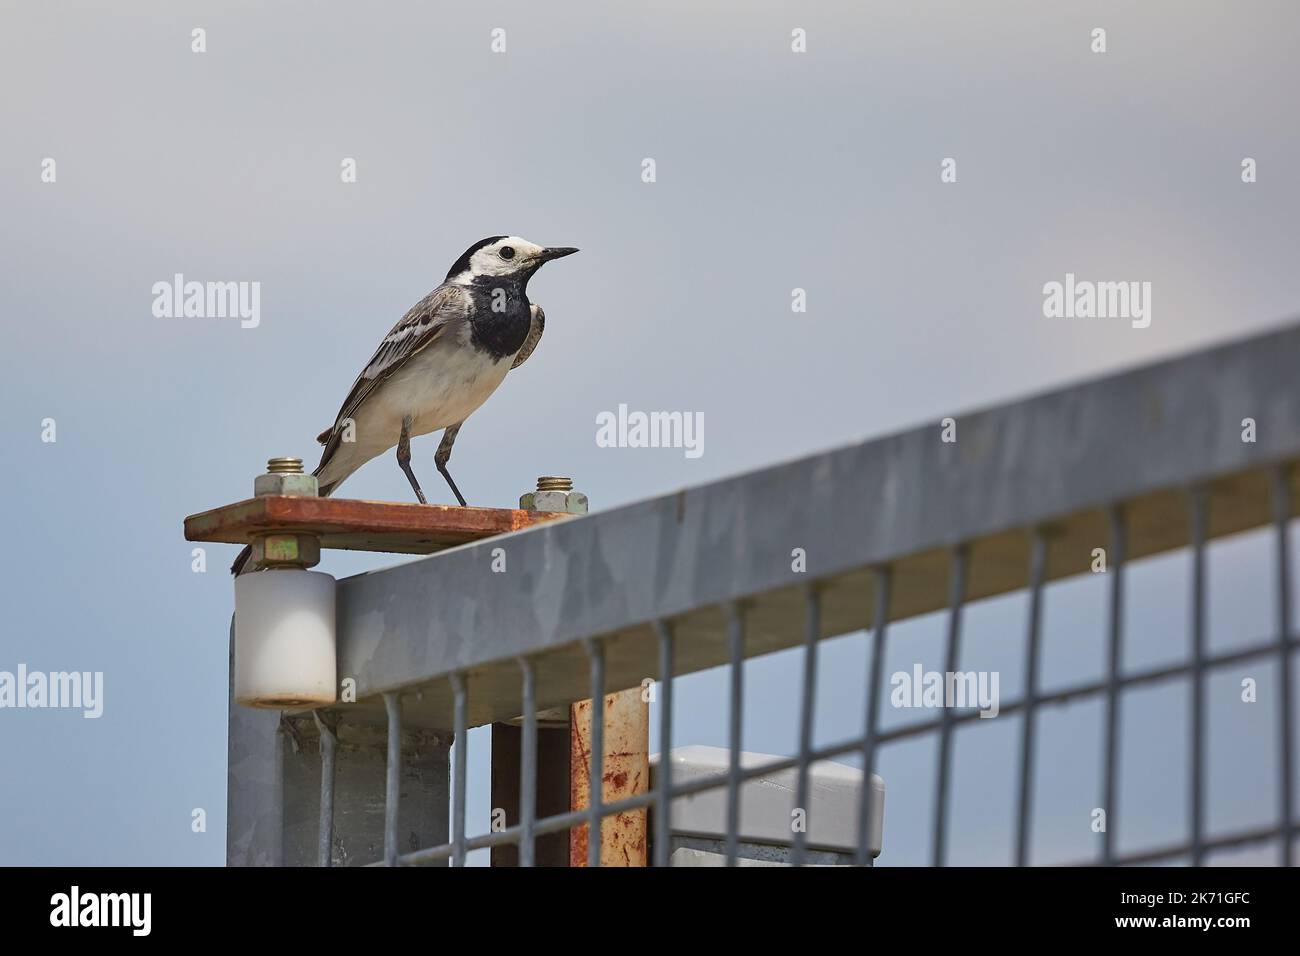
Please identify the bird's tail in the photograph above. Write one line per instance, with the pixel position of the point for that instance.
(237, 568)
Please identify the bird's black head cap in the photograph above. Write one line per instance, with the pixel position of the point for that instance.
(462, 264)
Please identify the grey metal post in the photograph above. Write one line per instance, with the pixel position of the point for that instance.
(274, 808)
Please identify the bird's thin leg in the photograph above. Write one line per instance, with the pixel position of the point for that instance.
(443, 455)
(404, 457)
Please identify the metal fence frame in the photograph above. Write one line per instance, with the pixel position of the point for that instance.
(628, 592)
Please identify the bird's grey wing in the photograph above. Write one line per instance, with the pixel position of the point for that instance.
(536, 327)
(417, 330)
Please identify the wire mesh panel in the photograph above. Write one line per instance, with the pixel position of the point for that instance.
(894, 529)
(869, 743)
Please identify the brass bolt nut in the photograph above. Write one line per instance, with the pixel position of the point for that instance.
(286, 551)
(284, 477)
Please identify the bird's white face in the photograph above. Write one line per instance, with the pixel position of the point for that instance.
(505, 257)
(501, 257)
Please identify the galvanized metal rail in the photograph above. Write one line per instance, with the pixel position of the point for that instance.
(1140, 463)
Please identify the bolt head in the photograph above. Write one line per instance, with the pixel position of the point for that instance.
(286, 551)
(289, 485)
(547, 501)
(563, 502)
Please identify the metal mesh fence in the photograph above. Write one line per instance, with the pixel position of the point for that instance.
(1143, 463)
(1281, 646)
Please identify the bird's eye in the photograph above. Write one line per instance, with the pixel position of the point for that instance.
(507, 252)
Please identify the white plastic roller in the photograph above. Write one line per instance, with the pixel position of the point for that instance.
(284, 639)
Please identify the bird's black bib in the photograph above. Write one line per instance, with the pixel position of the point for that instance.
(500, 318)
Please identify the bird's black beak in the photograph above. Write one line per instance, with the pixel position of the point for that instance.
(556, 252)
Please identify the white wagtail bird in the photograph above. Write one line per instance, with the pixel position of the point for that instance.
(439, 363)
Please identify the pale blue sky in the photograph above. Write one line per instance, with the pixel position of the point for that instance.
(775, 171)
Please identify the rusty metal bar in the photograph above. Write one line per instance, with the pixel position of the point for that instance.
(1281, 519)
(460, 769)
(807, 714)
(328, 747)
(616, 838)
(1025, 803)
(663, 803)
(393, 777)
(956, 597)
(736, 645)
(528, 765)
(871, 719)
(1199, 517)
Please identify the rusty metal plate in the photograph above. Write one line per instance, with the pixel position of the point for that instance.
(354, 525)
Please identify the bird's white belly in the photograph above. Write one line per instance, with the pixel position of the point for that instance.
(439, 387)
